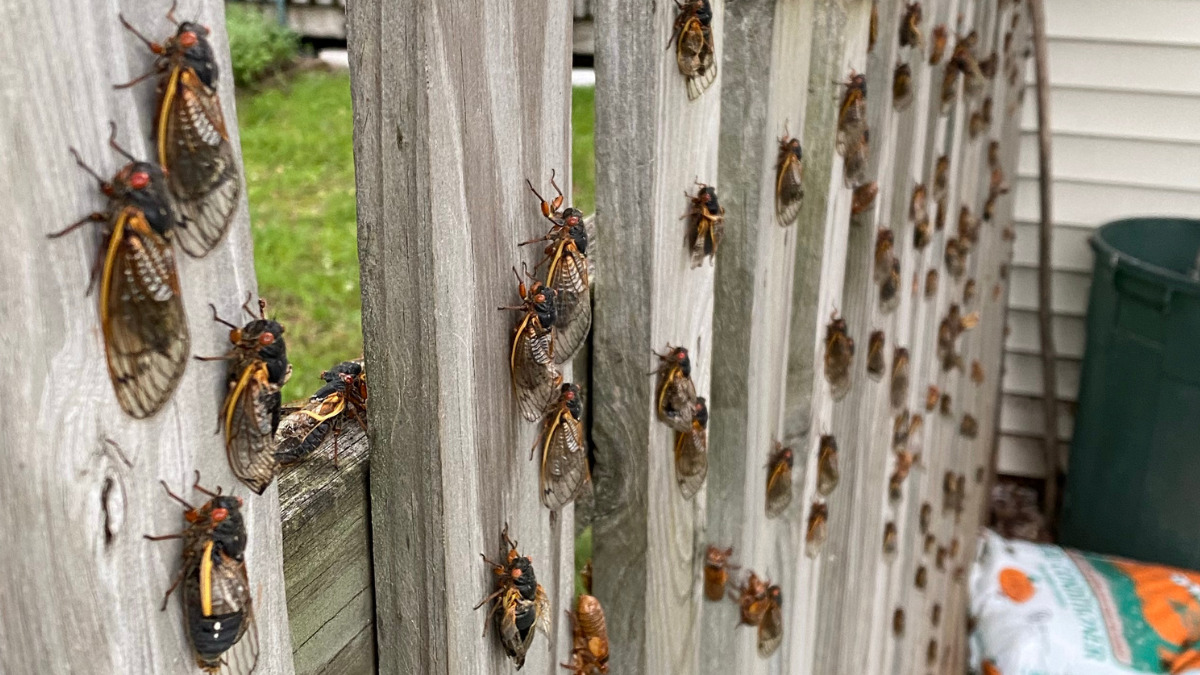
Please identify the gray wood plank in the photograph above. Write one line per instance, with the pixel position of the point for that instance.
(85, 587)
(455, 105)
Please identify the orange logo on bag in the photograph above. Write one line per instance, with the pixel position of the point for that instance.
(1016, 585)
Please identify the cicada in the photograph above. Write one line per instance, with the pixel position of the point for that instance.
(344, 395)
(938, 47)
(949, 87)
(900, 431)
(218, 611)
(519, 603)
(941, 178)
(978, 124)
(691, 452)
(939, 222)
(789, 175)
(939, 561)
(875, 357)
(902, 87)
(930, 543)
(931, 652)
(955, 257)
(706, 224)
(716, 572)
(990, 65)
(970, 289)
(918, 212)
(817, 529)
(889, 539)
(968, 227)
(915, 436)
(827, 465)
(193, 144)
(904, 462)
(993, 155)
(863, 197)
(752, 600)
(899, 389)
(258, 368)
(695, 49)
(589, 637)
(779, 480)
(921, 578)
(531, 359)
(925, 517)
(852, 113)
(935, 615)
(946, 406)
(873, 27)
(885, 243)
(839, 352)
(910, 27)
(898, 622)
(889, 290)
(770, 628)
(564, 451)
(675, 400)
(568, 273)
(960, 491)
(932, 394)
(969, 427)
(854, 168)
(931, 283)
(146, 340)
(963, 58)
(954, 546)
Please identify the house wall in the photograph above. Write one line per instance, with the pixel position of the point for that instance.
(1125, 117)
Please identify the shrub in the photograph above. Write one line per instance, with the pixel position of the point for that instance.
(258, 45)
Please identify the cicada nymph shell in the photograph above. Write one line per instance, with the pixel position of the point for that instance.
(902, 87)
(789, 178)
(910, 27)
(589, 637)
(691, 452)
(535, 377)
(675, 397)
(779, 480)
(190, 135)
(567, 272)
(519, 603)
(716, 572)
(564, 451)
(706, 224)
(817, 529)
(695, 50)
(827, 466)
(839, 352)
(876, 361)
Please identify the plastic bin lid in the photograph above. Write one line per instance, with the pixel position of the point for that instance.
(1158, 250)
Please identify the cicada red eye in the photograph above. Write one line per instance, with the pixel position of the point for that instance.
(138, 180)
(219, 515)
(266, 339)
(188, 39)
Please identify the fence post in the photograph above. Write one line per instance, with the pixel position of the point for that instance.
(652, 143)
(456, 104)
(81, 478)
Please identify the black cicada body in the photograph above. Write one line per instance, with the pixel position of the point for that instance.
(193, 143)
(789, 174)
(695, 50)
(344, 395)
(706, 224)
(568, 273)
(564, 450)
(675, 401)
(531, 358)
(145, 329)
(519, 604)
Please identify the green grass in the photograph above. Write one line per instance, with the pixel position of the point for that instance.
(297, 149)
(583, 152)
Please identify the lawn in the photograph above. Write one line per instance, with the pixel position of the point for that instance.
(297, 149)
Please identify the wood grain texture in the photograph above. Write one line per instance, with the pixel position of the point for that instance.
(651, 144)
(84, 587)
(455, 105)
(327, 558)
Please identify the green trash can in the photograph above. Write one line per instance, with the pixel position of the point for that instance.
(1133, 485)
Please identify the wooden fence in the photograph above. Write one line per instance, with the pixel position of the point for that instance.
(456, 104)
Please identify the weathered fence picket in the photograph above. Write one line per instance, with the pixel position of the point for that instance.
(80, 478)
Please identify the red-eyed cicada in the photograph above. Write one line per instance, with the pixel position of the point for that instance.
(852, 133)
(899, 388)
(770, 627)
(214, 588)
(827, 465)
(695, 50)
(964, 59)
(779, 480)
(876, 360)
(193, 144)
(885, 243)
(564, 451)
(910, 27)
(519, 603)
(789, 175)
(706, 224)
(145, 329)
(817, 529)
(675, 398)
(258, 369)
(568, 273)
(839, 353)
(343, 396)
(691, 452)
(955, 256)
(531, 358)
(902, 87)
(889, 290)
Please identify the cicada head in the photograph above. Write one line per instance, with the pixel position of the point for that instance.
(541, 301)
(573, 221)
(570, 397)
(228, 526)
(190, 45)
(700, 416)
(678, 356)
(142, 185)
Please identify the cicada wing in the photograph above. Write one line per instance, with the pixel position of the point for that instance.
(242, 657)
(770, 630)
(789, 192)
(219, 613)
(302, 431)
(534, 375)
(703, 79)
(541, 603)
(779, 489)
(202, 172)
(564, 460)
(695, 55)
(568, 274)
(691, 460)
(676, 399)
(516, 621)
(141, 312)
(251, 416)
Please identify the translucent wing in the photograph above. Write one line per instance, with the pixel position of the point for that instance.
(534, 375)
(568, 274)
(770, 630)
(852, 119)
(691, 460)
(838, 354)
(219, 614)
(694, 53)
(676, 399)
(250, 418)
(564, 460)
(194, 148)
(788, 190)
(303, 430)
(517, 620)
(141, 312)
(779, 489)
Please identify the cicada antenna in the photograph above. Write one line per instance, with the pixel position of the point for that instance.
(218, 319)
(171, 13)
(83, 165)
(112, 142)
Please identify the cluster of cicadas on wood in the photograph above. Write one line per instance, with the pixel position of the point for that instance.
(760, 603)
